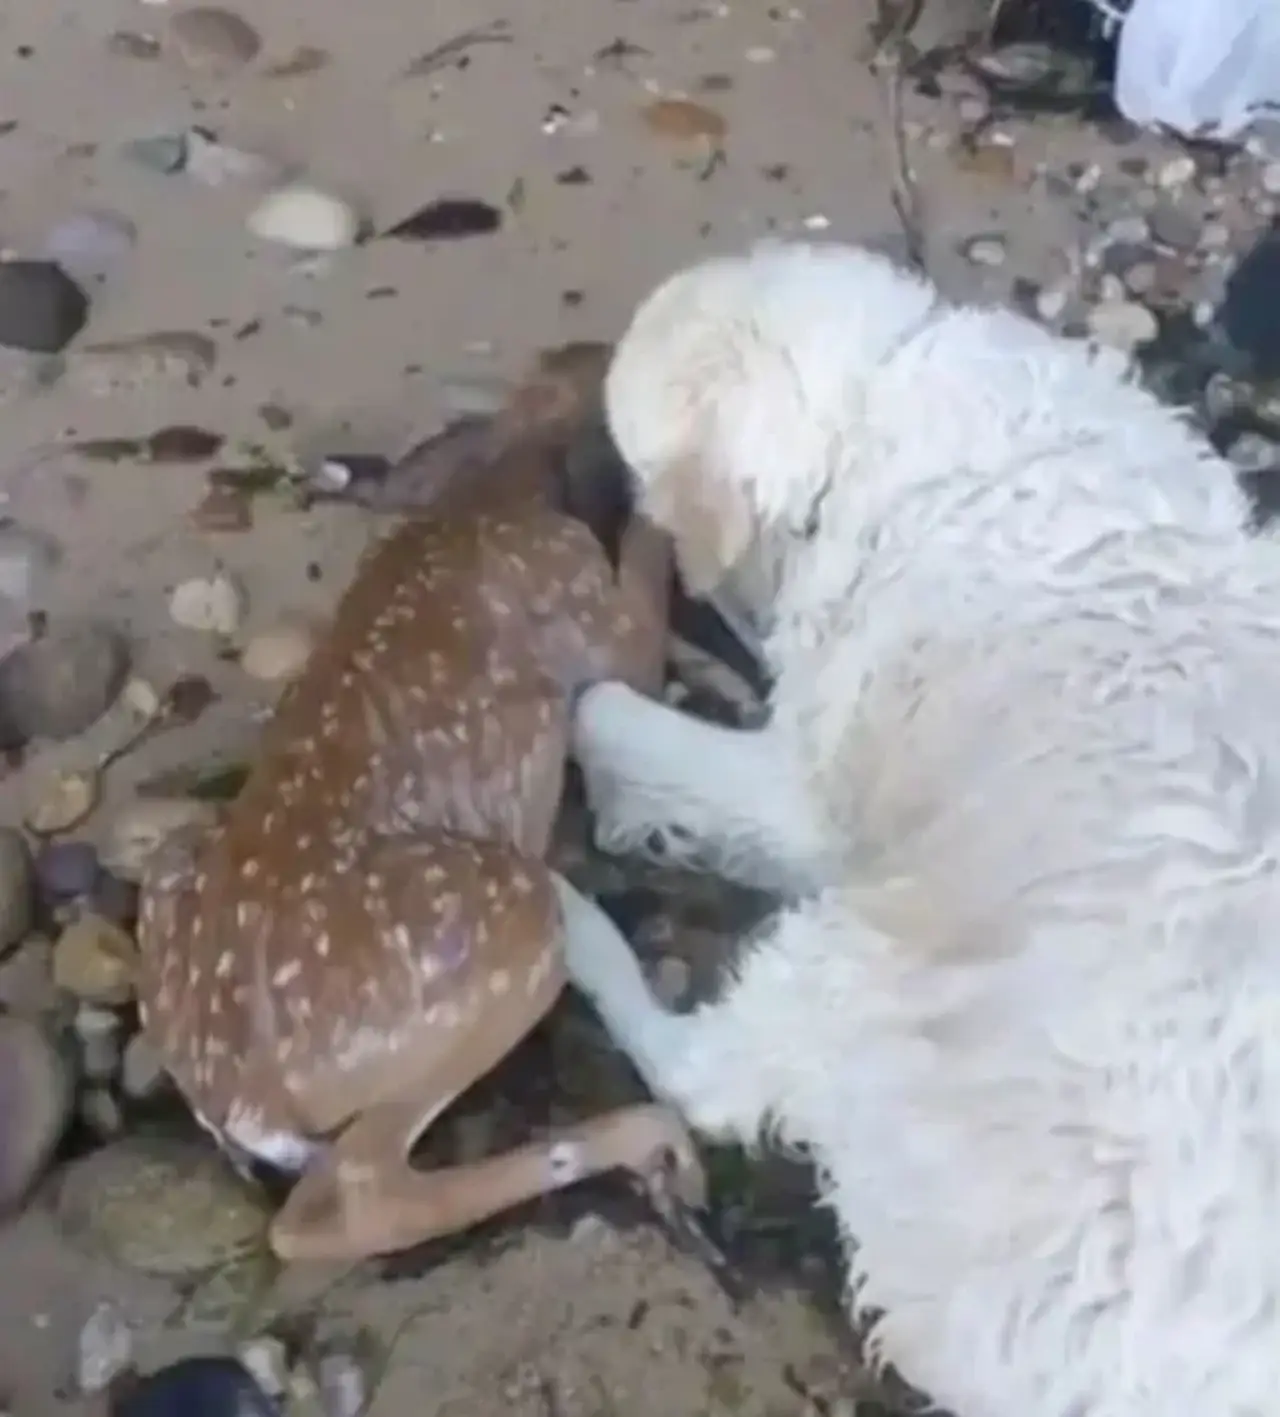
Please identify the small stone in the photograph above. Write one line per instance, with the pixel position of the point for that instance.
(1051, 304)
(1123, 324)
(26, 558)
(202, 1386)
(165, 153)
(139, 828)
(41, 308)
(142, 1073)
(91, 244)
(278, 653)
(1141, 278)
(987, 251)
(100, 1113)
(216, 164)
(97, 1031)
(1173, 227)
(66, 869)
(1177, 172)
(61, 801)
(213, 606)
(212, 40)
(59, 685)
(104, 1351)
(96, 962)
(1215, 236)
(1130, 230)
(267, 1360)
(35, 1103)
(1111, 288)
(1251, 452)
(131, 44)
(142, 699)
(671, 980)
(343, 1390)
(304, 218)
(16, 889)
(1269, 178)
(120, 366)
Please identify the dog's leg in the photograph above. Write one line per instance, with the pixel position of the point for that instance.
(670, 787)
(722, 1066)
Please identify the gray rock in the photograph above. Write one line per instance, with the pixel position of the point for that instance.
(57, 686)
(91, 244)
(17, 889)
(1122, 324)
(1251, 452)
(988, 250)
(26, 558)
(41, 308)
(162, 152)
(1173, 227)
(35, 1104)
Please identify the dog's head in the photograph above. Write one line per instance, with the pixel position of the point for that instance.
(733, 392)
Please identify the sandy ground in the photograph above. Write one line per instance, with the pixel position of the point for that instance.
(586, 1318)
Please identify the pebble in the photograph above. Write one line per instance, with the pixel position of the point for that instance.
(1051, 304)
(201, 1387)
(104, 1350)
(1173, 227)
(16, 889)
(95, 961)
(671, 980)
(217, 164)
(60, 801)
(142, 1073)
(1269, 178)
(1141, 278)
(35, 1104)
(26, 558)
(280, 652)
(304, 218)
(1251, 452)
(128, 365)
(100, 1112)
(987, 251)
(42, 309)
(164, 153)
(212, 40)
(267, 1359)
(91, 244)
(59, 685)
(138, 829)
(1130, 230)
(343, 1390)
(1177, 172)
(212, 606)
(66, 869)
(1122, 324)
(97, 1031)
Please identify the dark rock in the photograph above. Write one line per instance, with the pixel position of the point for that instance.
(195, 1387)
(41, 308)
(1246, 316)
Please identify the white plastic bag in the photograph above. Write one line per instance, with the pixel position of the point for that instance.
(1206, 68)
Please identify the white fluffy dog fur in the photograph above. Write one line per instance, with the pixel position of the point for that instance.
(1020, 782)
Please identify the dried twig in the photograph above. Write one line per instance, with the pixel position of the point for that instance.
(893, 43)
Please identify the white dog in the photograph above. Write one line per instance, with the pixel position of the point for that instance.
(1022, 780)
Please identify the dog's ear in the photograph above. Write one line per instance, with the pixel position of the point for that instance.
(708, 517)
